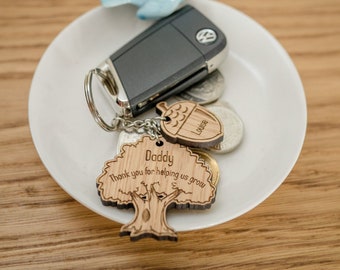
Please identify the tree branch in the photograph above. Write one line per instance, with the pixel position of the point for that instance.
(125, 193)
(172, 196)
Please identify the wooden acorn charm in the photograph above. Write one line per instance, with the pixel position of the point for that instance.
(190, 124)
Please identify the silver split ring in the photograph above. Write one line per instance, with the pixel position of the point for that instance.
(90, 101)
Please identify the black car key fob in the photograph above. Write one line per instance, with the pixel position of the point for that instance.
(162, 61)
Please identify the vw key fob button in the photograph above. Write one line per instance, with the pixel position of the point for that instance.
(165, 59)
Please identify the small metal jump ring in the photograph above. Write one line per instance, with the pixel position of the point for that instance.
(90, 101)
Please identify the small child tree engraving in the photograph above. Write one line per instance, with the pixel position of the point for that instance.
(152, 177)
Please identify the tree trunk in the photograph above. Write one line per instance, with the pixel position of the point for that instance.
(150, 217)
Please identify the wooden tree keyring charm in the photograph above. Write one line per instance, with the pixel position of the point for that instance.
(152, 177)
(190, 124)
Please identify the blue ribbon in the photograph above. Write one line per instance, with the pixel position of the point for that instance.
(148, 9)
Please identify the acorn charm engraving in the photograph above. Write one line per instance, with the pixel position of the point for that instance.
(190, 124)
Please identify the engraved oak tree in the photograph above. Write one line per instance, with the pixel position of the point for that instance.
(152, 177)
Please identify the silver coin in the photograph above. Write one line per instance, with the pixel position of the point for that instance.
(206, 91)
(127, 137)
(233, 128)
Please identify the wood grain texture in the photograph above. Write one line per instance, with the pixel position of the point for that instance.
(151, 177)
(298, 227)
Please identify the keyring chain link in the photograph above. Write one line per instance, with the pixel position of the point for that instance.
(150, 126)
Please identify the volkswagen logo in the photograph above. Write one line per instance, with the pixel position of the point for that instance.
(206, 36)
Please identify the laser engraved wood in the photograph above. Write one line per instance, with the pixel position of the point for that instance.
(152, 177)
(190, 124)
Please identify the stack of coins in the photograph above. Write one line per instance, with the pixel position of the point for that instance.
(208, 92)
